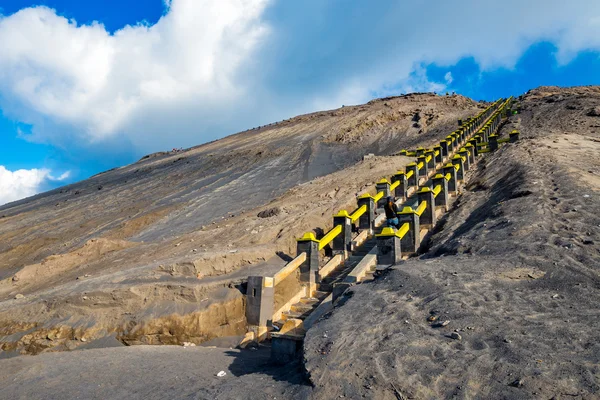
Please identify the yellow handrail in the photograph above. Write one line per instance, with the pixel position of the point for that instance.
(394, 185)
(410, 173)
(448, 176)
(378, 196)
(332, 234)
(428, 158)
(420, 165)
(437, 190)
(358, 213)
(403, 230)
(421, 209)
(457, 167)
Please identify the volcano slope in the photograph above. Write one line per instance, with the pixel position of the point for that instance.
(154, 252)
(514, 268)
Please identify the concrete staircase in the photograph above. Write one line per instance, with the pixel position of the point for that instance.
(307, 305)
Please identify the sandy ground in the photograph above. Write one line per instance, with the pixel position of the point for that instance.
(151, 372)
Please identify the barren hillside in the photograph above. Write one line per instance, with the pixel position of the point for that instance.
(514, 267)
(139, 251)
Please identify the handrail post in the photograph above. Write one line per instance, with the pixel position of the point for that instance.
(309, 269)
(464, 153)
(469, 147)
(420, 151)
(411, 242)
(389, 251)
(450, 142)
(413, 180)
(402, 189)
(452, 184)
(444, 146)
(341, 244)
(473, 142)
(514, 136)
(260, 302)
(441, 200)
(493, 142)
(367, 220)
(423, 170)
(439, 158)
(460, 174)
(428, 216)
(382, 186)
(431, 162)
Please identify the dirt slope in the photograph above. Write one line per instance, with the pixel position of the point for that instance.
(139, 250)
(515, 269)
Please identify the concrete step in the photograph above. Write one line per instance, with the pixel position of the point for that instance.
(309, 301)
(292, 314)
(303, 307)
(320, 294)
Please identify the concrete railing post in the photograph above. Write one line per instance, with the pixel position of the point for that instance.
(428, 218)
(413, 180)
(513, 136)
(260, 301)
(465, 154)
(431, 163)
(452, 184)
(439, 158)
(342, 243)
(411, 242)
(444, 146)
(423, 171)
(382, 186)
(388, 247)
(460, 174)
(401, 190)
(309, 269)
(441, 200)
(367, 220)
(493, 142)
(471, 149)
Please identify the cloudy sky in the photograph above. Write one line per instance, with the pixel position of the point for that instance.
(89, 85)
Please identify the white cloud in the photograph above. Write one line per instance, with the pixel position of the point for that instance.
(448, 78)
(100, 84)
(15, 185)
(209, 67)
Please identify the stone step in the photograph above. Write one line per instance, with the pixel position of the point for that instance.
(309, 301)
(293, 314)
(304, 307)
(320, 294)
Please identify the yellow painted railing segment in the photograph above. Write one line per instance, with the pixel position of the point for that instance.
(403, 230)
(448, 176)
(332, 234)
(378, 196)
(428, 158)
(457, 167)
(358, 213)
(410, 173)
(289, 268)
(394, 185)
(420, 165)
(437, 190)
(436, 153)
(421, 209)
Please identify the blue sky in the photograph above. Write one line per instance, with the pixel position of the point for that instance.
(89, 85)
